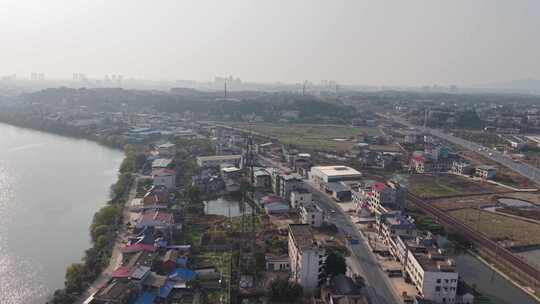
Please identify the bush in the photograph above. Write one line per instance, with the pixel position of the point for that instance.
(283, 290)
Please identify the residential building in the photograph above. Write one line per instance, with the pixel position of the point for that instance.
(274, 204)
(305, 255)
(162, 163)
(277, 263)
(343, 290)
(462, 167)
(164, 177)
(380, 197)
(311, 214)
(155, 218)
(115, 292)
(299, 197)
(433, 275)
(323, 175)
(166, 150)
(486, 172)
(339, 191)
(217, 160)
(391, 224)
(262, 179)
(289, 183)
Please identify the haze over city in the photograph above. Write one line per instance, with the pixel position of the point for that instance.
(352, 42)
(269, 152)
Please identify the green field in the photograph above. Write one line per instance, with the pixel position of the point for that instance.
(309, 136)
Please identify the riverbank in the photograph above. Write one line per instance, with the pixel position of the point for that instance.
(528, 291)
(18, 120)
(106, 233)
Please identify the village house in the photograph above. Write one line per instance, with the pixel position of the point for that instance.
(306, 256)
(486, 172)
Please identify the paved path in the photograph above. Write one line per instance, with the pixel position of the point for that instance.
(116, 256)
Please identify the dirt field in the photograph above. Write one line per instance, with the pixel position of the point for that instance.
(310, 136)
(499, 227)
(478, 201)
(443, 185)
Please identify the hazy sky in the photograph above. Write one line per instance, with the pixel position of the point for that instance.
(356, 42)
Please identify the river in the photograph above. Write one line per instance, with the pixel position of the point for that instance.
(489, 283)
(50, 187)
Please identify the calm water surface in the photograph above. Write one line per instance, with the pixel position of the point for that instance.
(50, 187)
(490, 283)
(224, 206)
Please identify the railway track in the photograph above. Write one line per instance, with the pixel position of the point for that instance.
(528, 273)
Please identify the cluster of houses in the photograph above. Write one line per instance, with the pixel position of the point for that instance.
(153, 268)
(423, 261)
(437, 158)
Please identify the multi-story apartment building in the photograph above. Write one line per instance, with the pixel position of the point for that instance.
(379, 197)
(432, 273)
(306, 256)
(311, 214)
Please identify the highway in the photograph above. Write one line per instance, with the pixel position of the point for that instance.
(528, 171)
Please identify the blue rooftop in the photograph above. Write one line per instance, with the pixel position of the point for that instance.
(183, 274)
(146, 298)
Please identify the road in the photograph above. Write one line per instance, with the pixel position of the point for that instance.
(379, 289)
(116, 256)
(528, 171)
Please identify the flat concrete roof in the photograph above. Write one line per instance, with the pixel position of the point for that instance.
(302, 236)
(336, 170)
(218, 157)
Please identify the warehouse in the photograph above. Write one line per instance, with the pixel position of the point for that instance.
(322, 175)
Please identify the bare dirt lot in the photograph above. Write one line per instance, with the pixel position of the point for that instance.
(512, 231)
(427, 185)
(478, 201)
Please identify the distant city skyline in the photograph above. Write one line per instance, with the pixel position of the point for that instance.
(377, 43)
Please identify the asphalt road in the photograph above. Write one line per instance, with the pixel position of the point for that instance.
(528, 171)
(379, 288)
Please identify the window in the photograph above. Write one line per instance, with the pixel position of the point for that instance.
(437, 288)
(438, 281)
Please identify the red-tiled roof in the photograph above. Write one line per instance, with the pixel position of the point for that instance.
(160, 216)
(379, 187)
(122, 272)
(271, 199)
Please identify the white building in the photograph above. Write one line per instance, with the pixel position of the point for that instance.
(380, 197)
(300, 196)
(289, 183)
(433, 275)
(486, 172)
(167, 149)
(277, 263)
(311, 214)
(323, 175)
(164, 177)
(461, 167)
(217, 160)
(305, 255)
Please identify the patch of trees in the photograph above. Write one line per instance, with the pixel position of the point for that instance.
(334, 265)
(284, 291)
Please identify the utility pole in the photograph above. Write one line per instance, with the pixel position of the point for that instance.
(225, 89)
